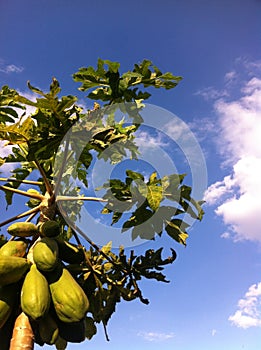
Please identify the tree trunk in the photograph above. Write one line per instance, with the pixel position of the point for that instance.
(23, 337)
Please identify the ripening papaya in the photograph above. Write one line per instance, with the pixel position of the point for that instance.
(69, 252)
(22, 229)
(12, 269)
(48, 329)
(69, 300)
(35, 295)
(14, 248)
(50, 228)
(8, 295)
(45, 254)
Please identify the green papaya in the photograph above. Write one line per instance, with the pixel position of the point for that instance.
(69, 252)
(35, 328)
(73, 332)
(90, 327)
(8, 295)
(45, 254)
(35, 295)
(33, 201)
(48, 329)
(50, 228)
(60, 344)
(22, 229)
(3, 240)
(69, 300)
(12, 269)
(14, 248)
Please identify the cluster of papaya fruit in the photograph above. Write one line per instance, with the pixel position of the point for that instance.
(34, 278)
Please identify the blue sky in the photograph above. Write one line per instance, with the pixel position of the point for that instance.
(214, 297)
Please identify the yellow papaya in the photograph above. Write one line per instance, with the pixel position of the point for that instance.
(45, 254)
(12, 269)
(69, 300)
(22, 229)
(50, 228)
(8, 295)
(69, 252)
(14, 248)
(35, 295)
(48, 329)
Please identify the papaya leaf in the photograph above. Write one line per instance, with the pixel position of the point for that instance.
(175, 229)
(113, 87)
(19, 174)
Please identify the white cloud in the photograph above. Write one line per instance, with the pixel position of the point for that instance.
(156, 336)
(213, 332)
(230, 76)
(10, 68)
(218, 189)
(146, 140)
(210, 93)
(249, 309)
(226, 235)
(237, 196)
(5, 149)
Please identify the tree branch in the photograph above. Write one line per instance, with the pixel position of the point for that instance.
(29, 182)
(31, 217)
(72, 198)
(60, 175)
(48, 186)
(19, 216)
(23, 193)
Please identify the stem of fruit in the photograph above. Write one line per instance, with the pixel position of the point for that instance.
(48, 186)
(23, 193)
(60, 175)
(72, 198)
(29, 182)
(19, 216)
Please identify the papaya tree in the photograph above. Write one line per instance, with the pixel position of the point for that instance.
(56, 282)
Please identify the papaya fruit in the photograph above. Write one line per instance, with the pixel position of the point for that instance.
(8, 295)
(45, 254)
(69, 252)
(60, 344)
(35, 328)
(90, 327)
(69, 300)
(3, 240)
(14, 248)
(35, 295)
(73, 332)
(48, 329)
(33, 201)
(50, 228)
(12, 269)
(22, 229)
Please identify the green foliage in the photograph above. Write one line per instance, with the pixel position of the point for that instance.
(108, 85)
(150, 216)
(156, 206)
